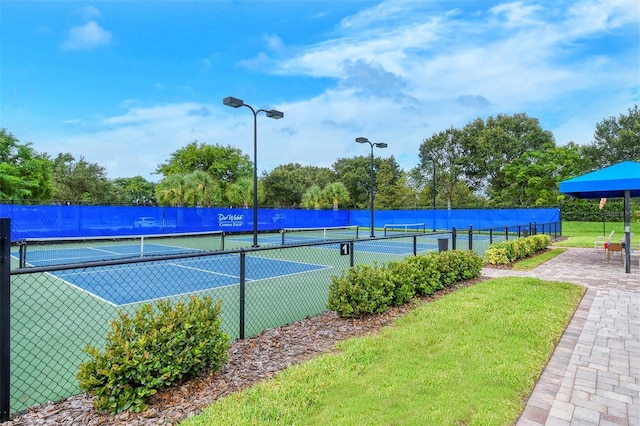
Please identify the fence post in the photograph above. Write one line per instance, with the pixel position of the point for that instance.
(506, 233)
(351, 258)
(490, 236)
(5, 317)
(415, 245)
(453, 238)
(243, 258)
(470, 237)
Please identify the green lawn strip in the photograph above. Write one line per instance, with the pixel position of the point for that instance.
(532, 262)
(471, 357)
(583, 234)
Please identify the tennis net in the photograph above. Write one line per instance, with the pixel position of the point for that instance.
(304, 235)
(404, 228)
(60, 251)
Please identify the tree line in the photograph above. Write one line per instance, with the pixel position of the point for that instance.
(501, 161)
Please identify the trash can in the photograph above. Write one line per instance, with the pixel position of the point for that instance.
(443, 244)
(525, 233)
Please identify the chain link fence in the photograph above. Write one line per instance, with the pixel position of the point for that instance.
(57, 310)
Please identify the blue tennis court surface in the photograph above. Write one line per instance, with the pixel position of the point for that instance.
(139, 282)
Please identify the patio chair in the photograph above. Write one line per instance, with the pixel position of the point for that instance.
(615, 248)
(602, 242)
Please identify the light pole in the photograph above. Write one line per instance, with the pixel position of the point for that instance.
(434, 190)
(377, 145)
(271, 113)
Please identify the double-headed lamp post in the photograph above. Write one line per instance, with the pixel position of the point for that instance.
(377, 145)
(434, 190)
(271, 113)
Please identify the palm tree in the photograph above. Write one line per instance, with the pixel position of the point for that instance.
(175, 190)
(205, 191)
(241, 192)
(312, 198)
(336, 193)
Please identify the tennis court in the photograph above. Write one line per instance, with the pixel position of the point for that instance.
(134, 283)
(139, 282)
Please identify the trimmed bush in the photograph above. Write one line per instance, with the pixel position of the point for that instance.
(505, 252)
(360, 290)
(425, 275)
(151, 350)
(400, 277)
(364, 289)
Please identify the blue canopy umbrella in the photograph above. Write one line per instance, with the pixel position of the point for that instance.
(619, 180)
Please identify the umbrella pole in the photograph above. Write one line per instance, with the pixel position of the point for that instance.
(627, 230)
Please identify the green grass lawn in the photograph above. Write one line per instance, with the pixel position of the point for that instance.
(583, 234)
(471, 357)
(531, 262)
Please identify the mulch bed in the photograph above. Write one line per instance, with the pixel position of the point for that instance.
(250, 361)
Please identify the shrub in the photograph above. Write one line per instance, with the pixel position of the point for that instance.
(424, 273)
(358, 291)
(365, 290)
(505, 252)
(458, 265)
(151, 350)
(399, 274)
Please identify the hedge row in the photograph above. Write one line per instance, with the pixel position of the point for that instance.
(366, 289)
(505, 252)
(589, 210)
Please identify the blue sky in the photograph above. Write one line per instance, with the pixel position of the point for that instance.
(126, 83)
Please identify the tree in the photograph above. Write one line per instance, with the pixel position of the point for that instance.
(445, 150)
(81, 181)
(391, 189)
(312, 198)
(240, 193)
(24, 173)
(486, 147)
(206, 192)
(335, 194)
(533, 179)
(224, 164)
(617, 139)
(286, 184)
(355, 174)
(175, 190)
(135, 190)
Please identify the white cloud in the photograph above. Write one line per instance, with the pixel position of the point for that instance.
(89, 12)
(400, 74)
(87, 37)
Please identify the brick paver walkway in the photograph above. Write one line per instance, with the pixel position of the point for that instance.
(593, 376)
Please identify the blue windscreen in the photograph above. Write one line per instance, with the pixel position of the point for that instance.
(42, 221)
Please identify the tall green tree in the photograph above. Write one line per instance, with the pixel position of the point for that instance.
(335, 194)
(81, 181)
(355, 174)
(312, 198)
(392, 191)
(224, 164)
(135, 190)
(24, 173)
(616, 139)
(487, 146)
(286, 184)
(533, 179)
(442, 152)
(240, 193)
(206, 191)
(175, 190)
